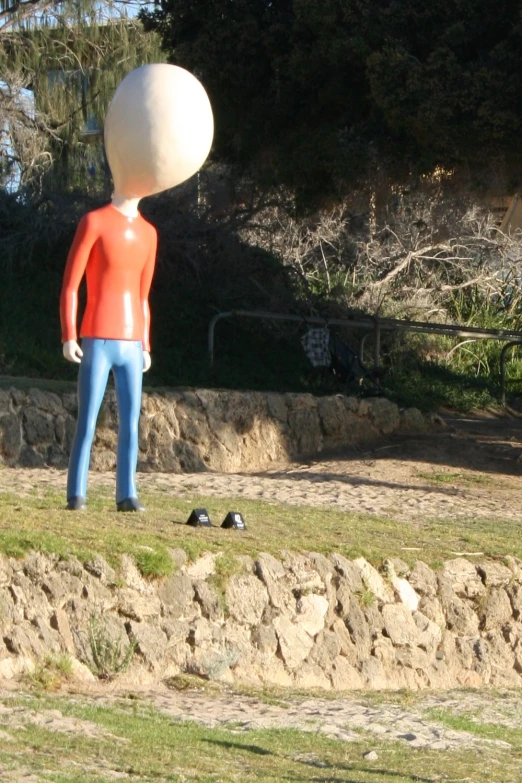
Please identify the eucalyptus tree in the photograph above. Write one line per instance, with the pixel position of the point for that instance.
(59, 65)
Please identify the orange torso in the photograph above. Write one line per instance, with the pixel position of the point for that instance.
(117, 256)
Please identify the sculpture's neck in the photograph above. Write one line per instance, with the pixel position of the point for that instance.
(127, 206)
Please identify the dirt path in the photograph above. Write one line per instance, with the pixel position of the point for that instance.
(470, 466)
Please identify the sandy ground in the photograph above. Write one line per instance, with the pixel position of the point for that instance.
(470, 466)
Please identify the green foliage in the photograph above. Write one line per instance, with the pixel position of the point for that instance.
(50, 673)
(108, 656)
(153, 563)
(313, 92)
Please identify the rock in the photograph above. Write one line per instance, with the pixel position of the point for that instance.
(99, 568)
(311, 611)
(177, 595)
(374, 582)
(495, 574)
(265, 639)
(272, 573)
(10, 437)
(38, 427)
(347, 647)
(463, 578)
(151, 642)
(349, 571)
(514, 592)
(138, 607)
(294, 642)
(246, 598)
(11, 668)
(80, 672)
(344, 676)
(402, 587)
(133, 578)
(370, 756)
(459, 614)
(384, 650)
(399, 624)
(423, 579)
(430, 633)
(202, 568)
(209, 601)
(383, 414)
(412, 421)
(300, 574)
(359, 631)
(326, 649)
(343, 599)
(60, 623)
(321, 564)
(432, 608)
(374, 675)
(310, 675)
(497, 610)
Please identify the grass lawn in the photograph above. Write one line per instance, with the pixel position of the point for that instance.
(40, 522)
(131, 740)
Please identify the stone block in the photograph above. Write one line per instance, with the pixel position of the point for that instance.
(311, 611)
(399, 624)
(463, 578)
(374, 582)
(344, 676)
(177, 594)
(495, 574)
(151, 642)
(10, 437)
(246, 598)
(326, 649)
(310, 675)
(423, 579)
(497, 609)
(359, 631)
(209, 601)
(294, 643)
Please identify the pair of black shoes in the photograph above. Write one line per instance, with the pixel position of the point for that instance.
(78, 503)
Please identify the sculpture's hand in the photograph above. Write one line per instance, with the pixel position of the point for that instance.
(147, 361)
(72, 351)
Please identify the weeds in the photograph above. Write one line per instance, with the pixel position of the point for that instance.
(50, 673)
(108, 656)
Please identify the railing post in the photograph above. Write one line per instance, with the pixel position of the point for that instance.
(503, 354)
(377, 345)
(211, 329)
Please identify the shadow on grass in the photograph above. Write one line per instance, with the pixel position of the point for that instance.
(367, 770)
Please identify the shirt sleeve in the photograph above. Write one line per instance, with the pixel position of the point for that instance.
(74, 270)
(145, 284)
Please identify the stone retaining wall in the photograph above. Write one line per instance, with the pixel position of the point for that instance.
(298, 620)
(195, 430)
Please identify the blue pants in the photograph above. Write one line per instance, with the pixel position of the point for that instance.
(125, 359)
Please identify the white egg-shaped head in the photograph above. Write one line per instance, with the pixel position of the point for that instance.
(158, 130)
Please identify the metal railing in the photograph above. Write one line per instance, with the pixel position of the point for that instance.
(375, 325)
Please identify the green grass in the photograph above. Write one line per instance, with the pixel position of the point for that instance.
(152, 747)
(450, 477)
(473, 724)
(39, 522)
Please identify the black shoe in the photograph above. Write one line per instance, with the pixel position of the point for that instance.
(130, 504)
(76, 503)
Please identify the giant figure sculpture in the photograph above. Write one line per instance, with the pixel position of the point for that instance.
(158, 132)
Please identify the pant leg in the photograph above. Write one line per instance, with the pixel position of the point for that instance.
(92, 380)
(128, 375)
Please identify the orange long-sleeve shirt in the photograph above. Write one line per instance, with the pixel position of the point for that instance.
(117, 255)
